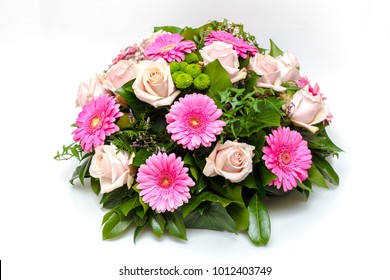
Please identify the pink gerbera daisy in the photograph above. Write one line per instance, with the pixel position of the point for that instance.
(170, 47)
(288, 157)
(164, 182)
(239, 45)
(96, 121)
(193, 121)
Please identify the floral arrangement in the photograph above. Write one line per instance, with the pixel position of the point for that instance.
(196, 128)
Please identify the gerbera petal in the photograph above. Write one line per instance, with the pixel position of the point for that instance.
(287, 156)
(164, 182)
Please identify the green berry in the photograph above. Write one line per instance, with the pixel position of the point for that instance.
(192, 58)
(174, 66)
(183, 80)
(202, 81)
(183, 65)
(193, 69)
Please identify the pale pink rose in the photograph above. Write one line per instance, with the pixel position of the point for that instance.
(154, 84)
(227, 56)
(145, 43)
(119, 74)
(305, 109)
(87, 91)
(274, 71)
(288, 67)
(231, 160)
(112, 168)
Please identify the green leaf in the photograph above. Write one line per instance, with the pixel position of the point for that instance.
(315, 177)
(84, 169)
(239, 214)
(175, 224)
(274, 51)
(137, 106)
(250, 181)
(114, 224)
(171, 29)
(268, 114)
(138, 231)
(75, 175)
(320, 141)
(219, 78)
(251, 80)
(195, 201)
(95, 185)
(326, 169)
(214, 217)
(114, 198)
(157, 222)
(259, 229)
(305, 188)
(129, 205)
(266, 176)
(140, 157)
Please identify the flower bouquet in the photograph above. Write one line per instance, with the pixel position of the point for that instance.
(195, 128)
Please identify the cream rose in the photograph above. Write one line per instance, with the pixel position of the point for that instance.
(112, 168)
(227, 56)
(119, 74)
(154, 84)
(231, 160)
(87, 91)
(305, 109)
(274, 71)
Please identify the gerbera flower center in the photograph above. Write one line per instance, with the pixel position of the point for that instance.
(166, 181)
(95, 121)
(168, 47)
(194, 122)
(285, 157)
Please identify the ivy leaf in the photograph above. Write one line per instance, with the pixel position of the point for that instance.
(267, 115)
(274, 51)
(259, 229)
(175, 224)
(114, 224)
(140, 157)
(214, 217)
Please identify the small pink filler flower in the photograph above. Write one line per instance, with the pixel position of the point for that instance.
(288, 157)
(170, 47)
(96, 121)
(193, 121)
(239, 45)
(164, 182)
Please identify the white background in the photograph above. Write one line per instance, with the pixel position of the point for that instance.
(51, 230)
